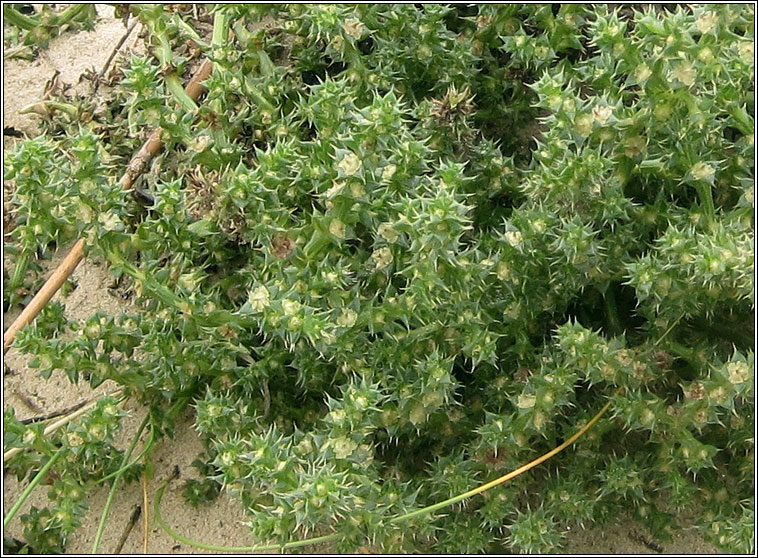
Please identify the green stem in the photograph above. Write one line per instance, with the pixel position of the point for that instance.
(267, 66)
(683, 352)
(174, 85)
(112, 493)
(165, 54)
(171, 299)
(190, 31)
(318, 242)
(19, 272)
(745, 123)
(25, 53)
(71, 13)
(35, 481)
(665, 333)
(148, 446)
(150, 17)
(611, 311)
(726, 331)
(241, 32)
(222, 548)
(705, 193)
(18, 19)
(42, 107)
(220, 29)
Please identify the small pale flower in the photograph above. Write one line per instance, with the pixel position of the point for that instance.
(634, 147)
(526, 401)
(337, 42)
(706, 22)
(512, 311)
(433, 400)
(719, 395)
(685, 73)
(602, 114)
(361, 401)
(624, 358)
(110, 221)
(382, 257)
(335, 189)
(357, 190)
(354, 28)
(343, 447)
(87, 186)
(705, 55)
(749, 196)
(747, 52)
(702, 171)
(642, 73)
(647, 417)
(337, 228)
(513, 238)
(738, 372)
(259, 298)
(662, 111)
(418, 414)
(347, 318)
(583, 124)
(289, 307)
(350, 164)
(200, 144)
(388, 233)
(555, 102)
(388, 172)
(503, 271)
(84, 213)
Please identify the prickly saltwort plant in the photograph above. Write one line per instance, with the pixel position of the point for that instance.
(59, 190)
(399, 250)
(85, 452)
(29, 29)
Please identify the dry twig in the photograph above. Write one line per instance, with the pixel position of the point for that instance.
(136, 512)
(113, 55)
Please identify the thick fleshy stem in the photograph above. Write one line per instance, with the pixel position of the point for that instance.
(705, 193)
(18, 19)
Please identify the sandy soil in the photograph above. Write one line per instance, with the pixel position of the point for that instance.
(222, 521)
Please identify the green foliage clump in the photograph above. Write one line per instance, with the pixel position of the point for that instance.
(27, 30)
(400, 250)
